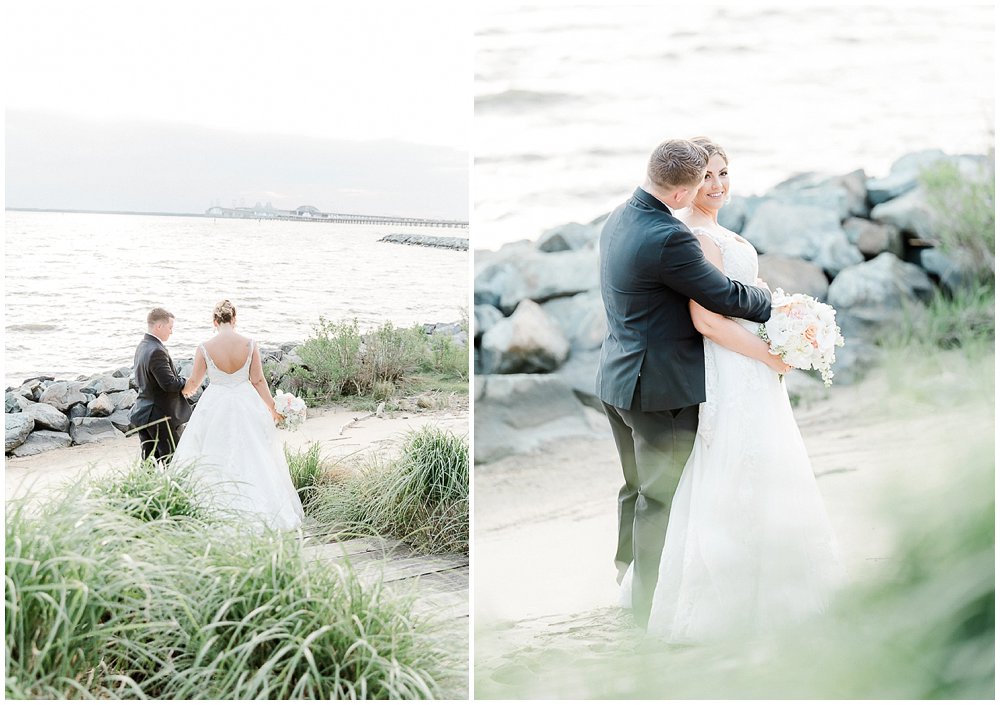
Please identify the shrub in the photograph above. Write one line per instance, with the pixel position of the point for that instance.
(966, 319)
(148, 492)
(964, 213)
(422, 497)
(307, 471)
(332, 359)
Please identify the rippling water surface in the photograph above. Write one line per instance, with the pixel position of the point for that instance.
(570, 100)
(78, 286)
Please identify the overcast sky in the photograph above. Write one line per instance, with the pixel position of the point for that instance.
(172, 79)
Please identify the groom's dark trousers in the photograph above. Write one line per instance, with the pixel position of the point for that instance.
(651, 376)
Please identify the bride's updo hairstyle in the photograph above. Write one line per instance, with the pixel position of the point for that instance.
(711, 147)
(224, 312)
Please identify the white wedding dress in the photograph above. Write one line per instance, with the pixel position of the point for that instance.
(749, 546)
(232, 447)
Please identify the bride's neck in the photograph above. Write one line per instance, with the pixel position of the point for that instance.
(705, 214)
(224, 328)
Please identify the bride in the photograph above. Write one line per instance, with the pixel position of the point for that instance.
(230, 441)
(748, 544)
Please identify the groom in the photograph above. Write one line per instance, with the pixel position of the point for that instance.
(651, 376)
(160, 411)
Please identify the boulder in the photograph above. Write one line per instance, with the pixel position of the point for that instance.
(89, 430)
(120, 420)
(30, 389)
(872, 238)
(517, 413)
(41, 441)
(124, 400)
(11, 403)
(794, 276)
(909, 212)
(571, 236)
(17, 428)
(47, 417)
(579, 373)
(486, 317)
(527, 341)
(735, 214)
(581, 318)
(101, 406)
(62, 395)
(904, 175)
(954, 270)
(76, 411)
(845, 195)
(806, 232)
(854, 360)
(123, 372)
(872, 296)
(105, 383)
(538, 276)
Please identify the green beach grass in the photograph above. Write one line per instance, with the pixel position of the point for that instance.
(124, 591)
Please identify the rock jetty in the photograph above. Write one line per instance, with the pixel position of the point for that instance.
(864, 245)
(44, 413)
(448, 243)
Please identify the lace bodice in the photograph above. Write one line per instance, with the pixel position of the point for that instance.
(739, 258)
(228, 379)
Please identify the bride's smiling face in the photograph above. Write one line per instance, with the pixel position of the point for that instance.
(715, 188)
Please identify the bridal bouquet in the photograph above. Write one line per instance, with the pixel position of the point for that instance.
(803, 332)
(292, 408)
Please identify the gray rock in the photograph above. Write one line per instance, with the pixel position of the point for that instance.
(904, 175)
(101, 406)
(41, 441)
(909, 212)
(794, 276)
(806, 232)
(846, 195)
(854, 360)
(31, 389)
(11, 403)
(571, 236)
(89, 430)
(47, 417)
(17, 427)
(486, 317)
(184, 368)
(581, 318)
(579, 373)
(872, 296)
(955, 271)
(538, 276)
(124, 400)
(123, 372)
(517, 413)
(804, 388)
(872, 238)
(120, 420)
(735, 214)
(447, 243)
(62, 395)
(104, 383)
(527, 341)
(76, 411)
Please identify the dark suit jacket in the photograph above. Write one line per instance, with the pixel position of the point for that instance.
(159, 385)
(651, 266)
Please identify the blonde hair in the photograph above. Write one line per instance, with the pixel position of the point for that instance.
(224, 312)
(677, 163)
(711, 148)
(158, 315)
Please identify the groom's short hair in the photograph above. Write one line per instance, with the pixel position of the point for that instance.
(676, 163)
(158, 315)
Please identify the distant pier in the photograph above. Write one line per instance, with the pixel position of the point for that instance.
(312, 214)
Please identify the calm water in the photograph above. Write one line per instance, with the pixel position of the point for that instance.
(571, 100)
(78, 286)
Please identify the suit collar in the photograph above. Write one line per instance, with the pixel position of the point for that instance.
(650, 200)
(154, 339)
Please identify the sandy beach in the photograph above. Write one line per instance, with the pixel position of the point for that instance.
(334, 428)
(545, 521)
